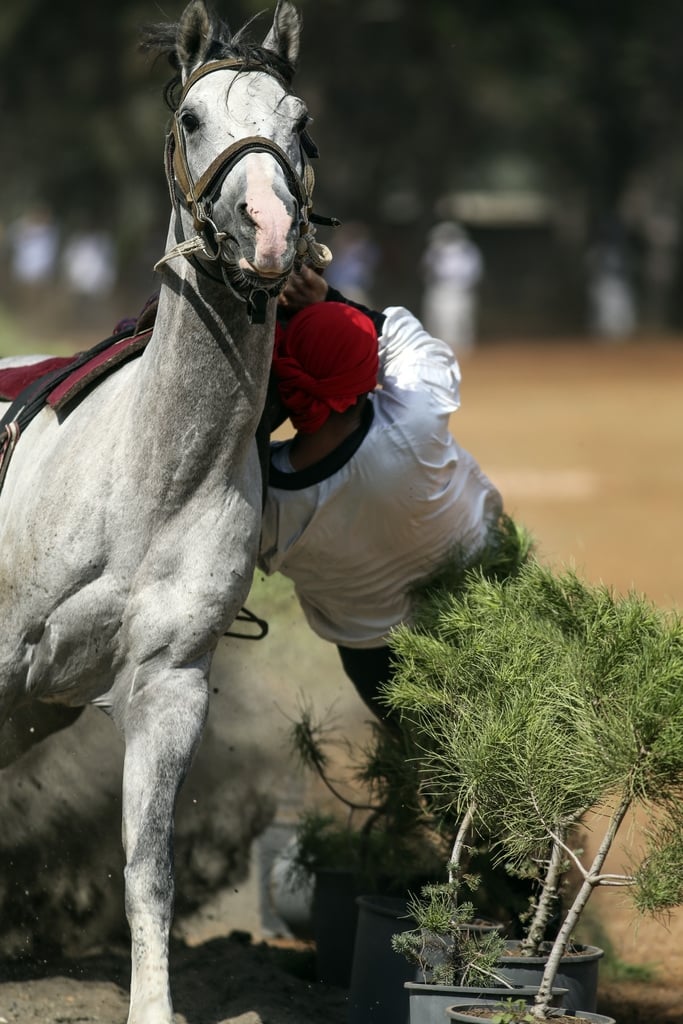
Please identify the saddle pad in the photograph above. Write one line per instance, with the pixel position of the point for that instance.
(14, 379)
(100, 365)
(57, 381)
(86, 370)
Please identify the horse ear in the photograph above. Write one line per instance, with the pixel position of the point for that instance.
(194, 37)
(284, 34)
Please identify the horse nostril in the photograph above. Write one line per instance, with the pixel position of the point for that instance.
(244, 214)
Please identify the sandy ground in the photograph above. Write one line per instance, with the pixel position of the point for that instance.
(586, 444)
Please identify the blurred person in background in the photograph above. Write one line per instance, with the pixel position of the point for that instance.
(611, 291)
(452, 268)
(89, 264)
(33, 241)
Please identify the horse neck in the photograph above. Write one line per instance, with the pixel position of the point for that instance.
(204, 374)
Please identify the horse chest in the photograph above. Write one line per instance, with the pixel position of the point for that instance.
(83, 605)
(64, 646)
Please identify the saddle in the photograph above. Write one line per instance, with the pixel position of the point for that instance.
(57, 382)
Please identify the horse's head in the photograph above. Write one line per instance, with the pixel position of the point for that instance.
(237, 152)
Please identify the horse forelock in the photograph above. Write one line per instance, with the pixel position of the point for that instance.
(162, 40)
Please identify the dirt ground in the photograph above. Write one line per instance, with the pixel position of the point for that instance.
(586, 444)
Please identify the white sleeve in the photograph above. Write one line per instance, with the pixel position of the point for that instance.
(411, 359)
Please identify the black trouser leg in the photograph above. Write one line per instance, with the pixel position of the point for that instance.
(368, 669)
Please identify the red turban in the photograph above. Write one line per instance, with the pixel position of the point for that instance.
(324, 359)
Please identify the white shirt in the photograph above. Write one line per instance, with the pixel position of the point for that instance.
(355, 542)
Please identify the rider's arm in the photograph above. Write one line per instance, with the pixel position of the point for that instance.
(308, 286)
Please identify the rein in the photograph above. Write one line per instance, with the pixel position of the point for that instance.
(198, 196)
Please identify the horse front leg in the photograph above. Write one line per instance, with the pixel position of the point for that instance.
(163, 723)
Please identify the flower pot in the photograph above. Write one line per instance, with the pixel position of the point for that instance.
(578, 973)
(428, 1003)
(462, 1016)
(376, 993)
(335, 917)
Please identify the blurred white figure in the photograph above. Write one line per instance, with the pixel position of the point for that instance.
(33, 240)
(89, 264)
(611, 295)
(452, 267)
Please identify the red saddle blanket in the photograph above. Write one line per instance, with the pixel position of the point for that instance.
(14, 379)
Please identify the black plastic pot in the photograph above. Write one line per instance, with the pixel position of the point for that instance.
(335, 918)
(460, 1014)
(578, 973)
(428, 1003)
(376, 993)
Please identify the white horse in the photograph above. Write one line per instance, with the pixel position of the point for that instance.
(129, 526)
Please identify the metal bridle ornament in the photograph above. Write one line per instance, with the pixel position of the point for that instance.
(212, 246)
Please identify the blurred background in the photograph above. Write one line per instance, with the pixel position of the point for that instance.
(512, 171)
(549, 132)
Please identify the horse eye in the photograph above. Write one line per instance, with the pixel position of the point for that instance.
(189, 121)
(302, 124)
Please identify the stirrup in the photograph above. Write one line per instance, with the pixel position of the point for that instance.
(244, 615)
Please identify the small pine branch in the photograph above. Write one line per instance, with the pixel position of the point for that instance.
(443, 945)
(658, 880)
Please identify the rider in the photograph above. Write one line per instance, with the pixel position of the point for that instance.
(372, 493)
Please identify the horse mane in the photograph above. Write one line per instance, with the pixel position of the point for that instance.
(161, 41)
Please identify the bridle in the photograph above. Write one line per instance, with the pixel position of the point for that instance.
(215, 247)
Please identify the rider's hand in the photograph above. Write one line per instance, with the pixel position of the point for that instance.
(303, 289)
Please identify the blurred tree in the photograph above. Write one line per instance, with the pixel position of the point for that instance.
(411, 101)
